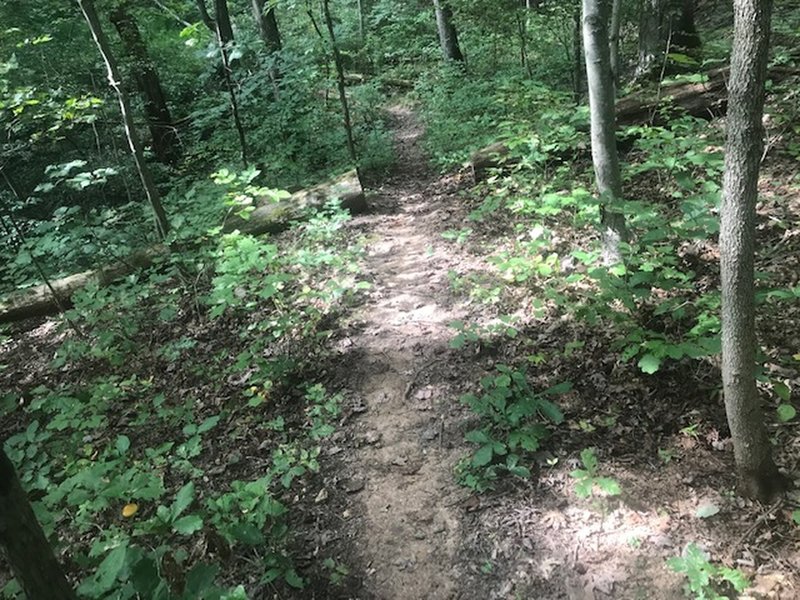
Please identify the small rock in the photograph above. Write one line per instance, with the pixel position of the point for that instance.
(347, 514)
(322, 496)
(372, 437)
(430, 434)
(662, 540)
(354, 485)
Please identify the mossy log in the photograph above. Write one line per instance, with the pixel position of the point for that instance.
(44, 300)
(272, 217)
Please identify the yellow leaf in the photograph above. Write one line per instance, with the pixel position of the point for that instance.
(796, 357)
(129, 510)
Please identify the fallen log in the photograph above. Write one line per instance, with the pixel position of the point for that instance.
(39, 301)
(707, 100)
(273, 217)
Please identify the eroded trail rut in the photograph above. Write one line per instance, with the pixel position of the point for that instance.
(409, 533)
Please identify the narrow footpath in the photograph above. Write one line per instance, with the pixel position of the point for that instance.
(410, 532)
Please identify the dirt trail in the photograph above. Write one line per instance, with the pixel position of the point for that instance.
(410, 528)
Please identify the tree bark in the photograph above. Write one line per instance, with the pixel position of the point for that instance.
(613, 40)
(267, 26)
(150, 189)
(223, 22)
(159, 119)
(271, 36)
(21, 537)
(684, 30)
(578, 63)
(448, 36)
(758, 476)
(596, 15)
(269, 217)
(337, 60)
(651, 39)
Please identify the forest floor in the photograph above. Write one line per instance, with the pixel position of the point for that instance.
(396, 515)
(386, 506)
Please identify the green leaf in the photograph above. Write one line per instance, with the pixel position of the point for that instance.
(608, 485)
(560, 388)
(293, 579)
(123, 443)
(145, 577)
(105, 578)
(551, 411)
(786, 412)
(589, 459)
(183, 499)
(200, 579)
(188, 525)
(247, 533)
(583, 488)
(478, 436)
(649, 363)
(736, 578)
(483, 456)
(782, 390)
(209, 423)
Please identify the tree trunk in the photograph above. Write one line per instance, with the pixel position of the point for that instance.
(337, 60)
(758, 476)
(448, 36)
(596, 15)
(159, 120)
(150, 189)
(223, 21)
(651, 41)
(361, 29)
(271, 36)
(613, 40)
(205, 17)
(578, 63)
(267, 25)
(21, 537)
(684, 30)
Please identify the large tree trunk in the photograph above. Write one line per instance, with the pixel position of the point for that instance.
(269, 217)
(159, 120)
(267, 25)
(757, 473)
(684, 30)
(150, 189)
(651, 39)
(223, 22)
(596, 14)
(21, 537)
(448, 36)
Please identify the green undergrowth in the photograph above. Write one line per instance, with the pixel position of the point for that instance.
(168, 444)
(463, 113)
(660, 305)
